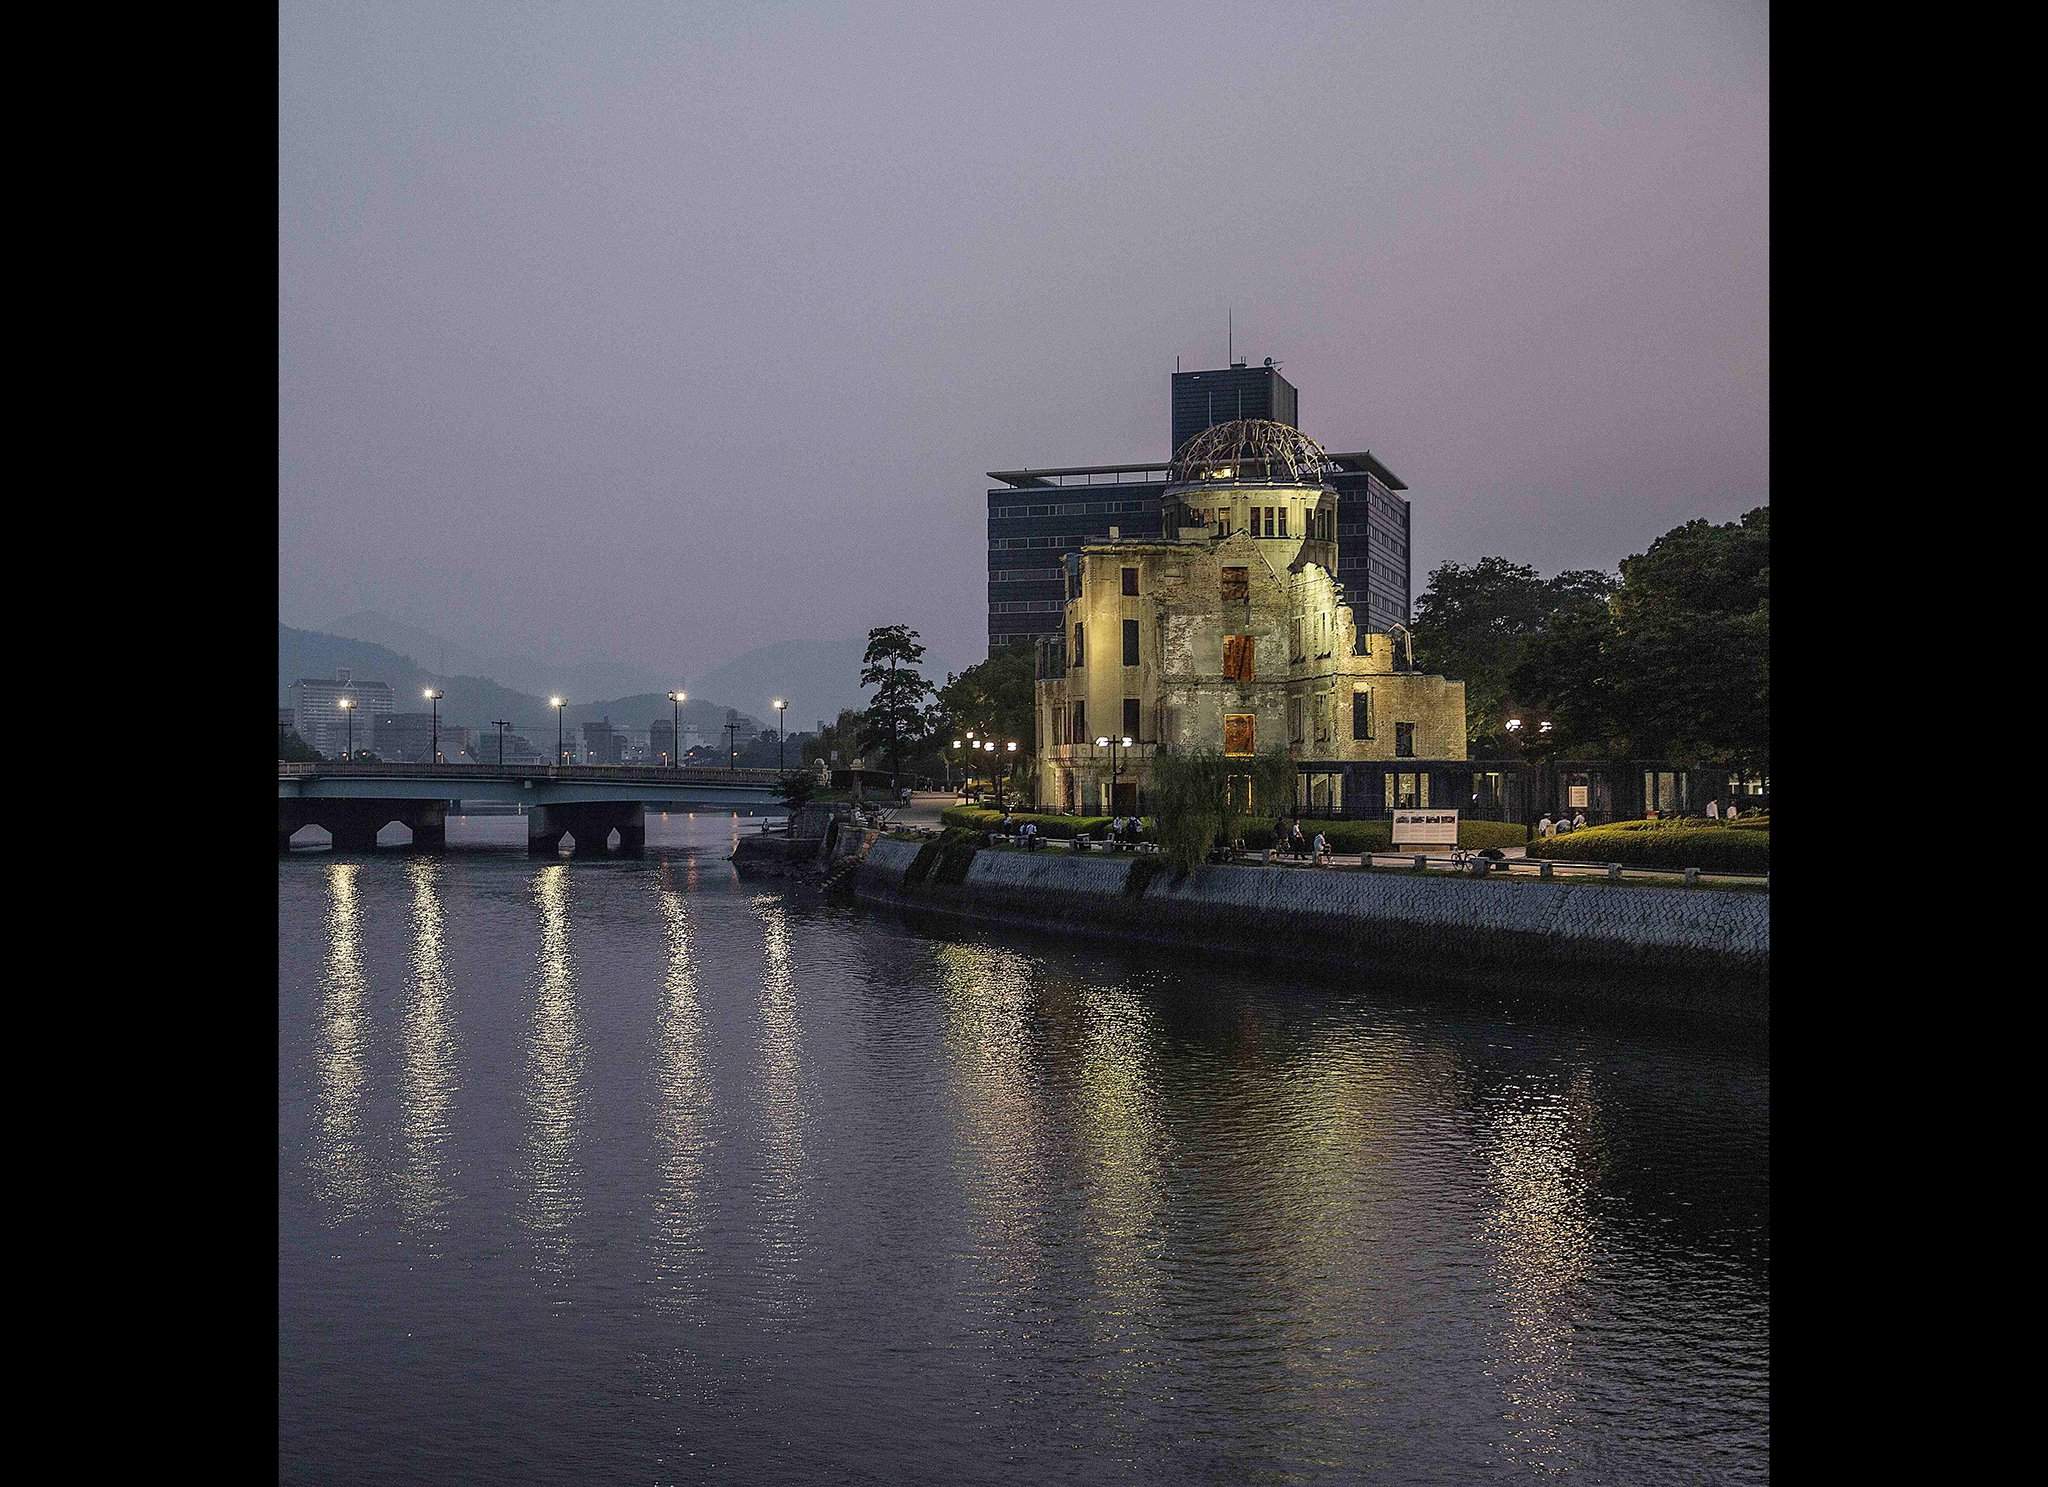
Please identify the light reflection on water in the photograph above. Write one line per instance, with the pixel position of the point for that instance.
(780, 1177)
(429, 1079)
(554, 1089)
(730, 1185)
(343, 1050)
(685, 1101)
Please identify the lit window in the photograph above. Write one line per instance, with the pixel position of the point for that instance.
(1237, 585)
(1240, 734)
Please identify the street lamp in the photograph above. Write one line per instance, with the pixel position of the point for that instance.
(675, 727)
(348, 710)
(434, 739)
(557, 704)
(732, 747)
(1115, 762)
(780, 708)
(949, 768)
(501, 724)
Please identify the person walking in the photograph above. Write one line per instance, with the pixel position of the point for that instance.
(1295, 841)
(1714, 809)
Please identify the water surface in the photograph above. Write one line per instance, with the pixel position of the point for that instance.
(624, 1170)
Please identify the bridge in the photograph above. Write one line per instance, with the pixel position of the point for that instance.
(588, 803)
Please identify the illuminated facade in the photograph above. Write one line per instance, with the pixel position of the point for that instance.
(1231, 631)
(1039, 518)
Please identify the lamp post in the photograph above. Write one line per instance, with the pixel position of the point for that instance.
(348, 710)
(675, 727)
(780, 708)
(1115, 762)
(501, 724)
(732, 748)
(949, 768)
(434, 737)
(557, 704)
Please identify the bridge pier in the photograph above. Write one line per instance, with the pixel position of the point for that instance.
(429, 827)
(544, 828)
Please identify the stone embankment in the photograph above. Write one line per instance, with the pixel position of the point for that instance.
(1695, 946)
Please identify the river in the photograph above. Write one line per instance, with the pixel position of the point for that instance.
(625, 1170)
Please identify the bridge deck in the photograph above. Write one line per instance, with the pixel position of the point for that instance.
(527, 784)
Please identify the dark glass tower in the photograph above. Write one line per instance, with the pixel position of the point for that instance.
(1202, 399)
(1037, 517)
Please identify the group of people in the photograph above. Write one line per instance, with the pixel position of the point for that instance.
(1026, 833)
(1126, 831)
(1548, 827)
(1288, 837)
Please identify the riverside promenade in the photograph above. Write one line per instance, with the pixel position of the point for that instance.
(926, 808)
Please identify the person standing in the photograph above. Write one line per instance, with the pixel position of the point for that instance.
(1714, 809)
(1734, 810)
(1295, 841)
(1322, 854)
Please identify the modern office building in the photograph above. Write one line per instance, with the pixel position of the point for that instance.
(405, 738)
(1038, 518)
(324, 723)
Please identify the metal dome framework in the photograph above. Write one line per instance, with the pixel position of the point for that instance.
(1252, 451)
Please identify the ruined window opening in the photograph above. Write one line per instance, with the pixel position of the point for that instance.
(1283, 521)
(1080, 722)
(1404, 740)
(1238, 657)
(1240, 734)
(1361, 712)
(1237, 585)
(1130, 580)
(1130, 640)
(1080, 656)
(1131, 718)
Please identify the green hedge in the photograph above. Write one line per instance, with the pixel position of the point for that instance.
(1707, 847)
(1378, 836)
(1345, 836)
(1053, 828)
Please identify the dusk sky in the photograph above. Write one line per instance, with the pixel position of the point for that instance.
(660, 332)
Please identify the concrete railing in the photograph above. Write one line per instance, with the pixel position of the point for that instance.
(620, 773)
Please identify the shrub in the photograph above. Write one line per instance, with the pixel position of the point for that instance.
(1378, 836)
(1685, 844)
(1052, 828)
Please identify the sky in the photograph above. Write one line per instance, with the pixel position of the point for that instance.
(659, 332)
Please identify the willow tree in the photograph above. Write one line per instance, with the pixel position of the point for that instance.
(1200, 798)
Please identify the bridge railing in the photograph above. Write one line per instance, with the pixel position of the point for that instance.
(624, 774)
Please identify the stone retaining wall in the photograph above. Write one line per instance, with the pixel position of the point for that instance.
(1533, 930)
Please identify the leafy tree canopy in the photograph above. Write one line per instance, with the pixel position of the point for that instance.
(1474, 623)
(1677, 665)
(295, 750)
(1198, 798)
(896, 719)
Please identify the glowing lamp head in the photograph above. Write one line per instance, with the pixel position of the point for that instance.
(1126, 742)
(345, 703)
(1011, 746)
(1101, 743)
(779, 703)
(1514, 725)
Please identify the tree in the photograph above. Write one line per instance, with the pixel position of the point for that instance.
(1474, 624)
(841, 737)
(996, 698)
(1677, 664)
(896, 717)
(1198, 798)
(295, 750)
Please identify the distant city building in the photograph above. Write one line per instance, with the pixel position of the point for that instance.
(1231, 634)
(284, 718)
(405, 738)
(518, 750)
(603, 743)
(1039, 518)
(324, 724)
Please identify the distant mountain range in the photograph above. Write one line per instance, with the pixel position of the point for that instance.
(521, 673)
(475, 700)
(817, 677)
